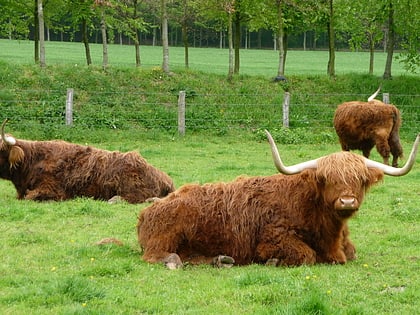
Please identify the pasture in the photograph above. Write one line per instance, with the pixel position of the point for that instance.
(50, 263)
(209, 60)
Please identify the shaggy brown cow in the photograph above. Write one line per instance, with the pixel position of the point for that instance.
(58, 170)
(294, 219)
(362, 125)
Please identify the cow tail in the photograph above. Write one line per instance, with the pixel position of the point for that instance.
(396, 117)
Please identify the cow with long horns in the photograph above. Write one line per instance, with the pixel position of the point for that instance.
(59, 170)
(294, 218)
(363, 125)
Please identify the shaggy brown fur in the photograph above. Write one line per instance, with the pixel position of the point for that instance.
(291, 219)
(58, 170)
(362, 125)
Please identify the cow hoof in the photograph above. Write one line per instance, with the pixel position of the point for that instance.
(272, 262)
(152, 199)
(222, 261)
(172, 262)
(115, 199)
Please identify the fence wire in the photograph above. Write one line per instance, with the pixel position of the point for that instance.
(121, 110)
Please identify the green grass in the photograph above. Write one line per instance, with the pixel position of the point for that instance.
(50, 264)
(210, 60)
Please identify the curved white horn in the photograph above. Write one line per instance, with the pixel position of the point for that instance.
(288, 170)
(8, 140)
(372, 97)
(395, 171)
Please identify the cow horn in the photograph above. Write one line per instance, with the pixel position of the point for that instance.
(372, 97)
(8, 140)
(288, 170)
(395, 171)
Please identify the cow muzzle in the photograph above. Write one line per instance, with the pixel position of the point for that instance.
(346, 205)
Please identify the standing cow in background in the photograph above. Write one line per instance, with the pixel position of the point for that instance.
(292, 219)
(58, 170)
(363, 125)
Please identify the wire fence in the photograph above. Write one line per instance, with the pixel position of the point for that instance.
(202, 112)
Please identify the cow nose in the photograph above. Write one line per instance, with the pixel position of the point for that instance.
(347, 202)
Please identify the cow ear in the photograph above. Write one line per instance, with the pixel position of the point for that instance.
(375, 176)
(16, 156)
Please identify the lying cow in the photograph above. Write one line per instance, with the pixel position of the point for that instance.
(58, 170)
(298, 217)
(363, 125)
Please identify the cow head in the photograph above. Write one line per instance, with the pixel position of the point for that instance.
(344, 176)
(10, 153)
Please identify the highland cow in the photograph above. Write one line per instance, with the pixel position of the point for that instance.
(298, 217)
(363, 125)
(59, 170)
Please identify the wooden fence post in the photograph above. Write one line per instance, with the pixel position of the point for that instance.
(69, 107)
(385, 98)
(181, 113)
(286, 103)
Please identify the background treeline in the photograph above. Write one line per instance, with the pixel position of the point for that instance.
(234, 24)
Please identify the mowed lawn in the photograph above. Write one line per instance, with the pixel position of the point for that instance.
(213, 60)
(51, 265)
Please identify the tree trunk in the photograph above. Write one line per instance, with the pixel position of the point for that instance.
(237, 44)
(280, 37)
(185, 34)
(104, 40)
(371, 52)
(36, 33)
(185, 41)
(136, 36)
(165, 44)
(331, 40)
(230, 38)
(41, 35)
(85, 40)
(390, 42)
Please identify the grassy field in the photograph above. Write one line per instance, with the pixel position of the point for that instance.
(51, 265)
(253, 61)
(49, 261)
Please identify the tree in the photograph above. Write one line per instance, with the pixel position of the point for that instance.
(36, 31)
(165, 43)
(241, 14)
(185, 12)
(41, 35)
(331, 39)
(391, 40)
(280, 38)
(15, 17)
(409, 30)
(229, 9)
(102, 5)
(363, 23)
(80, 15)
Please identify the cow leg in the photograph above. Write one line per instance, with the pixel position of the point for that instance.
(395, 161)
(347, 245)
(170, 260)
(44, 194)
(396, 149)
(382, 147)
(366, 153)
(285, 250)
